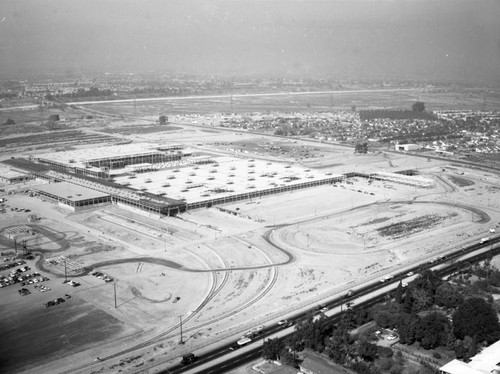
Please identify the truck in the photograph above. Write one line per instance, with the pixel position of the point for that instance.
(244, 341)
(484, 240)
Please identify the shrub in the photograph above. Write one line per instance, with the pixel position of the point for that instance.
(385, 363)
(384, 351)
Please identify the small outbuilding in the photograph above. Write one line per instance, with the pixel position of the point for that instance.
(407, 147)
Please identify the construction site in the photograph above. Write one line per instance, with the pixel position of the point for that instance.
(179, 227)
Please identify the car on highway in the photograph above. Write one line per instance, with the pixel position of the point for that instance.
(350, 293)
(283, 322)
(386, 278)
(188, 359)
(324, 309)
(410, 273)
(234, 346)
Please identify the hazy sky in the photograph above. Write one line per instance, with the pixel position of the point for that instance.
(448, 39)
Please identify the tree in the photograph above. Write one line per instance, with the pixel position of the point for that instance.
(476, 318)
(398, 294)
(428, 280)
(163, 120)
(418, 106)
(408, 300)
(272, 349)
(386, 315)
(361, 148)
(448, 296)
(368, 351)
(406, 328)
(421, 300)
(432, 330)
(338, 346)
(287, 357)
(362, 316)
(54, 117)
(470, 344)
(384, 351)
(9, 122)
(424, 288)
(310, 334)
(385, 363)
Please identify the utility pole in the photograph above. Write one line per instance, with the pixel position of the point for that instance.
(181, 341)
(15, 246)
(65, 272)
(114, 289)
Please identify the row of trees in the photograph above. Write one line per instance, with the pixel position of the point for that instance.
(457, 314)
(360, 353)
(81, 92)
(437, 313)
(361, 148)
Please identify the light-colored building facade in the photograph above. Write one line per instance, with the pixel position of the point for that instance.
(485, 362)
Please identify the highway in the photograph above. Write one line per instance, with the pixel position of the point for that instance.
(225, 96)
(222, 359)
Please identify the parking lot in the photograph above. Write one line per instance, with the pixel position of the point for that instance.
(34, 301)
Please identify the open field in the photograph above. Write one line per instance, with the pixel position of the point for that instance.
(229, 268)
(434, 99)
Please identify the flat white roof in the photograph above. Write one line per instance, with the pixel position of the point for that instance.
(404, 177)
(69, 191)
(8, 174)
(80, 156)
(459, 367)
(488, 359)
(482, 363)
(228, 176)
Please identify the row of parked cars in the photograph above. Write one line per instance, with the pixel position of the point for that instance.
(42, 288)
(33, 278)
(17, 276)
(104, 277)
(57, 301)
(11, 264)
